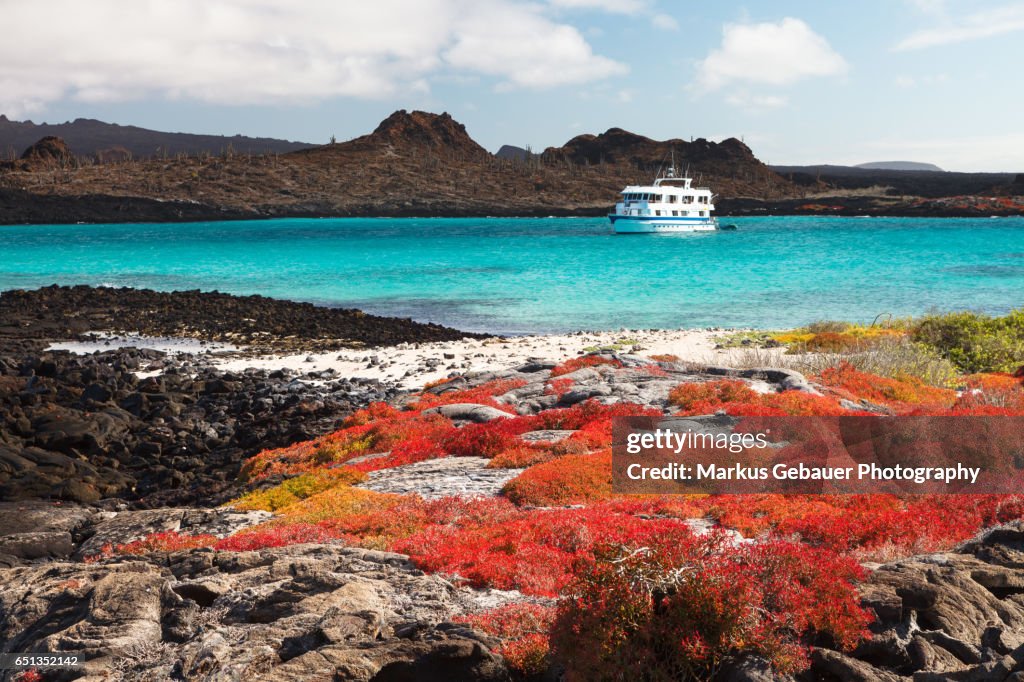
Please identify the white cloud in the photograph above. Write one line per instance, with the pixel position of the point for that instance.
(769, 53)
(984, 24)
(665, 22)
(746, 100)
(262, 51)
(527, 51)
(614, 6)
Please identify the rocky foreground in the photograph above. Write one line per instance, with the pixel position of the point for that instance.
(330, 611)
(326, 611)
(128, 445)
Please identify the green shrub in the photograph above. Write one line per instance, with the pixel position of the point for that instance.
(827, 326)
(975, 342)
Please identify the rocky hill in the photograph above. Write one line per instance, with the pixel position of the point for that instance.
(108, 141)
(424, 164)
(413, 163)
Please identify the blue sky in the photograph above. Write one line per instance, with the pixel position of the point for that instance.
(802, 82)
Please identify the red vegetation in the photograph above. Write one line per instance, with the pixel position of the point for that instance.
(573, 479)
(574, 364)
(558, 387)
(640, 590)
(30, 675)
(665, 357)
(908, 391)
(870, 526)
(737, 398)
(482, 395)
(168, 541)
(679, 606)
(262, 537)
(492, 543)
(522, 629)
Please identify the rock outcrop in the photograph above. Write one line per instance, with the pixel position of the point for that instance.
(49, 152)
(953, 616)
(298, 613)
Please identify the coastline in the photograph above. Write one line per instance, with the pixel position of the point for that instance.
(229, 375)
(409, 366)
(25, 208)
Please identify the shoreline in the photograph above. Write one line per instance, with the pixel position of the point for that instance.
(26, 208)
(409, 366)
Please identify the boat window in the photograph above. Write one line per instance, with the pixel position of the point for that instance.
(657, 213)
(675, 212)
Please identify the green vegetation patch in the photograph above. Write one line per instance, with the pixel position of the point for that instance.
(975, 342)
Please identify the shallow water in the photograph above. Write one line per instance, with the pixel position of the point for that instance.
(555, 274)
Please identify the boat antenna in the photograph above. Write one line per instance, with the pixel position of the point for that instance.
(672, 168)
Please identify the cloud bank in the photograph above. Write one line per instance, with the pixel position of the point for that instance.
(984, 24)
(261, 51)
(778, 53)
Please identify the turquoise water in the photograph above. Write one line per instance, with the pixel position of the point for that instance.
(534, 275)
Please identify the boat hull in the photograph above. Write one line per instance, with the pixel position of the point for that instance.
(628, 225)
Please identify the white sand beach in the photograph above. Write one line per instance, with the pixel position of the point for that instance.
(410, 366)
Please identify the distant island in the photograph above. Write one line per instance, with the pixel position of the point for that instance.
(425, 164)
(86, 137)
(899, 166)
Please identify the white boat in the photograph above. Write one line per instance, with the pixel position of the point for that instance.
(671, 204)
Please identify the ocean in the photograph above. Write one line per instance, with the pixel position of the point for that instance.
(525, 275)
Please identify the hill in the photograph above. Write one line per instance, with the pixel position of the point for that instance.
(413, 163)
(509, 151)
(109, 141)
(899, 166)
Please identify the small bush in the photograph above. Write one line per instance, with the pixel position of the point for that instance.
(665, 357)
(907, 390)
(677, 609)
(572, 479)
(827, 327)
(520, 456)
(709, 396)
(976, 342)
(298, 488)
(523, 631)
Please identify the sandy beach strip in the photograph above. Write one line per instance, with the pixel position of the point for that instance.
(410, 366)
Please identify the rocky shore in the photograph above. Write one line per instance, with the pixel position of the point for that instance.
(140, 426)
(103, 449)
(31, 318)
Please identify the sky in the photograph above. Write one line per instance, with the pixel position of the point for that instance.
(935, 81)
